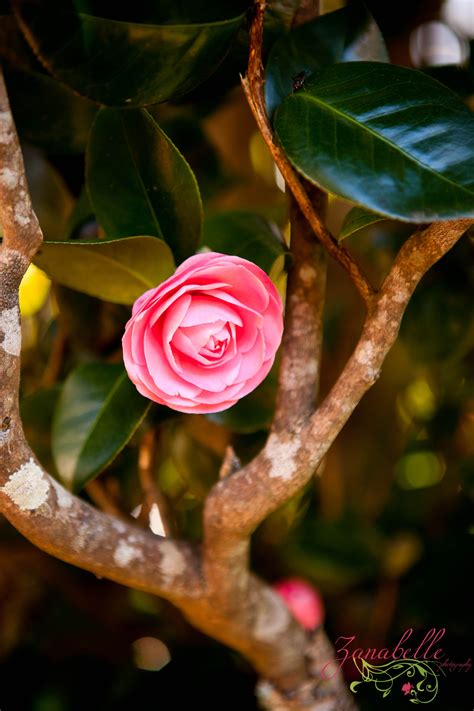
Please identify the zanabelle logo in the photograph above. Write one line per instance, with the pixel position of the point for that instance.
(412, 667)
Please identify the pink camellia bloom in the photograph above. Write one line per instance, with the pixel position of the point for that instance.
(303, 600)
(206, 336)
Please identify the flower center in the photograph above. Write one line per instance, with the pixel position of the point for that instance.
(217, 344)
(208, 343)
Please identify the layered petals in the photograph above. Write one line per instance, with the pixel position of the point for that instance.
(206, 336)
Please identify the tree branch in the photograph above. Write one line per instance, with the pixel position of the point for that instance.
(253, 88)
(66, 527)
(221, 597)
(41, 509)
(302, 335)
(241, 502)
(152, 496)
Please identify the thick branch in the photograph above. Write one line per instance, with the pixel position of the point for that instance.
(21, 230)
(264, 632)
(31, 500)
(302, 336)
(241, 502)
(253, 88)
(66, 527)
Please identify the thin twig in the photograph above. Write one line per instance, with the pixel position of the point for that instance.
(152, 496)
(253, 87)
(230, 464)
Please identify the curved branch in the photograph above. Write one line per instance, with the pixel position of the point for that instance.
(237, 505)
(63, 525)
(41, 509)
(253, 88)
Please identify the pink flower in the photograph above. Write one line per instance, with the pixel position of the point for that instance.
(303, 600)
(206, 336)
(406, 688)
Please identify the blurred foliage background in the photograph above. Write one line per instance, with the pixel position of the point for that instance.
(385, 530)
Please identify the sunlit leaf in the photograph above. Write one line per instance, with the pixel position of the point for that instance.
(114, 270)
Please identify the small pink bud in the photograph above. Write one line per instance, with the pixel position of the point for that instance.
(303, 600)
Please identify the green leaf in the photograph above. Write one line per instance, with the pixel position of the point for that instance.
(52, 201)
(246, 235)
(167, 12)
(345, 35)
(388, 138)
(114, 270)
(123, 63)
(356, 219)
(139, 183)
(284, 11)
(186, 132)
(48, 114)
(98, 411)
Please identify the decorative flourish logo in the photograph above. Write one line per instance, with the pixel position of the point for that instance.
(423, 674)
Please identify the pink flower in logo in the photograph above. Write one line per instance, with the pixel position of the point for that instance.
(406, 688)
(205, 337)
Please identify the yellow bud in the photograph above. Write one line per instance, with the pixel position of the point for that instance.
(34, 290)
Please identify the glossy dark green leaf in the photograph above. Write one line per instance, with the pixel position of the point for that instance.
(98, 411)
(345, 35)
(48, 114)
(114, 270)
(246, 235)
(356, 219)
(52, 201)
(123, 63)
(167, 12)
(139, 183)
(388, 138)
(186, 132)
